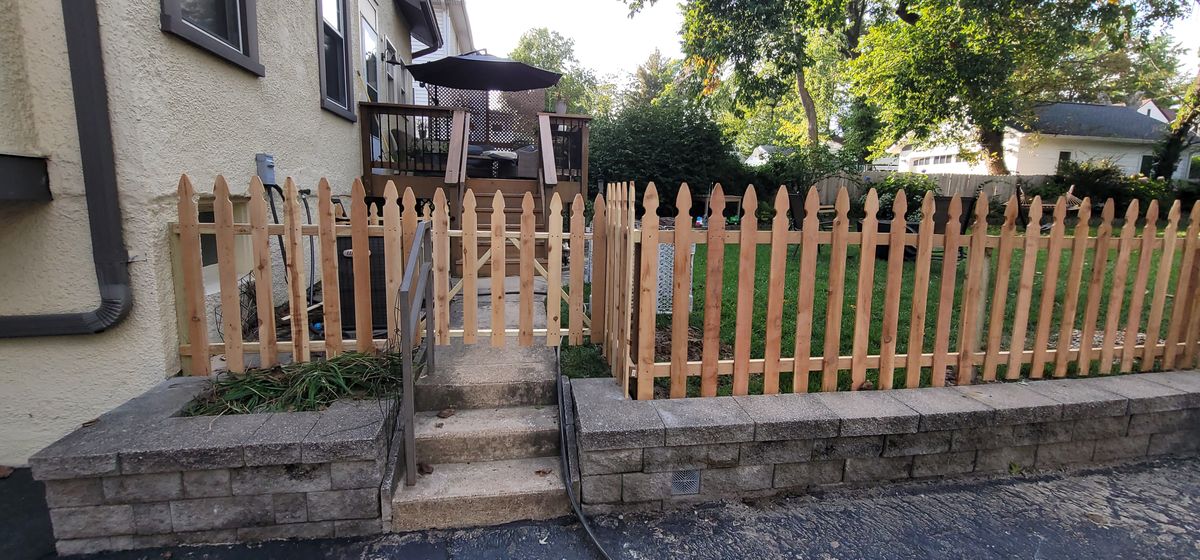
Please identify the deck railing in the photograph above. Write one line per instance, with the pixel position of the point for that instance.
(412, 141)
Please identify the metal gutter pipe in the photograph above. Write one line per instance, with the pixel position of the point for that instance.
(81, 23)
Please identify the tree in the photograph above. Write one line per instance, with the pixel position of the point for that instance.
(1180, 135)
(764, 42)
(550, 50)
(668, 142)
(652, 79)
(944, 63)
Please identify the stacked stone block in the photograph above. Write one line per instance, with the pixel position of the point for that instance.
(142, 476)
(757, 446)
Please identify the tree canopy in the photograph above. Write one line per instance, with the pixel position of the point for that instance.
(550, 50)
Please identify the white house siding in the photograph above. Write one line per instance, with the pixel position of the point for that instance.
(174, 108)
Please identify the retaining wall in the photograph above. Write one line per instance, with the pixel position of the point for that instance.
(754, 446)
(142, 476)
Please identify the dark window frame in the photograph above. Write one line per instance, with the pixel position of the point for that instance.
(172, 22)
(327, 104)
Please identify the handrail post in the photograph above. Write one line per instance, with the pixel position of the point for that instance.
(407, 407)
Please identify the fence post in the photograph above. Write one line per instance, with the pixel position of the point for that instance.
(681, 285)
(600, 283)
(392, 257)
(441, 268)
(231, 309)
(554, 272)
(648, 294)
(714, 279)
(747, 253)
(331, 299)
(193, 279)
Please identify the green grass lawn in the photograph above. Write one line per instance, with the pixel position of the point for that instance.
(791, 279)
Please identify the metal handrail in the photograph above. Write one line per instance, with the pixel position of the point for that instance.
(413, 301)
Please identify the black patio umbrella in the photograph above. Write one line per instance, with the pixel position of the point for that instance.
(482, 71)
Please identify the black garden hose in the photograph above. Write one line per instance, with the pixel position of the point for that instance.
(564, 455)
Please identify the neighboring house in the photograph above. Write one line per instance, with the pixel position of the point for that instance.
(455, 28)
(1152, 109)
(762, 154)
(1060, 131)
(104, 104)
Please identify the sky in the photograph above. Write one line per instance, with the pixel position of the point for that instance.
(609, 42)
(606, 39)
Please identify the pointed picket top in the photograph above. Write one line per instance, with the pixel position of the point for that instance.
(498, 204)
(749, 203)
(577, 205)
(186, 192)
(258, 190)
(683, 204)
(390, 195)
(1084, 213)
(440, 208)
(221, 189)
(716, 204)
(1131, 215)
(842, 204)
(425, 212)
(927, 206)
(527, 203)
(357, 192)
(556, 203)
(871, 204)
(469, 202)
(781, 204)
(954, 211)
(981, 212)
(1035, 214)
(409, 201)
(1012, 209)
(1152, 212)
(598, 204)
(1060, 211)
(900, 207)
(1108, 213)
(372, 215)
(812, 203)
(1195, 212)
(1173, 213)
(650, 200)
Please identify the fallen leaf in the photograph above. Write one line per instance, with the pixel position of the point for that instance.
(543, 472)
(91, 422)
(439, 424)
(424, 469)
(446, 413)
(5, 472)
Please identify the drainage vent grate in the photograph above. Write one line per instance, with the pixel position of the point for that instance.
(685, 483)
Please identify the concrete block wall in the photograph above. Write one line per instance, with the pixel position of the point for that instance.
(762, 445)
(142, 476)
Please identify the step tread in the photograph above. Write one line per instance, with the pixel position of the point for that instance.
(487, 422)
(510, 477)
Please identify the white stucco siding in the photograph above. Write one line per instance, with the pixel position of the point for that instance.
(174, 108)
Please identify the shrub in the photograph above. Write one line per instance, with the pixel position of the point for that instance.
(799, 169)
(914, 185)
(1101, 180)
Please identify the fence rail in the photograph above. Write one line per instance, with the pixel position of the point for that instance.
(964, 318)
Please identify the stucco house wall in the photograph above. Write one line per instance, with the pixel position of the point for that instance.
(174, 109)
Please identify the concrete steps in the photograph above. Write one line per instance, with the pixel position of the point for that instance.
(459, 495)
(496, 458)
(488, 434)
(479, 376)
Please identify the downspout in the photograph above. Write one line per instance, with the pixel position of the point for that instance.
(82, 26)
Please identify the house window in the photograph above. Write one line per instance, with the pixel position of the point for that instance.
(370, 50)
(225, 28)
(394, 92)
(337, 89)
(1064, 156)
(1147, 165)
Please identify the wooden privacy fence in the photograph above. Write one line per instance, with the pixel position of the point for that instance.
(963, 184)
(395, 223)
(1002, 301)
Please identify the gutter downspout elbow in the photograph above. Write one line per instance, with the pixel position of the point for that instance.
(82, 25)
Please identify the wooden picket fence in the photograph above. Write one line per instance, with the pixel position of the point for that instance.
(396, 226)
(971, 303)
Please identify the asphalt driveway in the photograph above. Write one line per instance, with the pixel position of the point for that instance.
(1147, 510)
